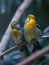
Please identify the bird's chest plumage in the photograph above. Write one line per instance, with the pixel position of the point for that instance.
(30, 34)
(18, 39)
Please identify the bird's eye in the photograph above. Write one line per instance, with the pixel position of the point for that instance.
(27, 20)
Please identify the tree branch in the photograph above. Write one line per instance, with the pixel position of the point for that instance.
(14, 47)
(46, 36)
(34, 56)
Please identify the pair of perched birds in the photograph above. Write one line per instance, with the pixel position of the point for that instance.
(30, 33)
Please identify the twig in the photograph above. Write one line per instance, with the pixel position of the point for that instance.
(34, 56)
(16, 18)
(46, 36)
(14, 47)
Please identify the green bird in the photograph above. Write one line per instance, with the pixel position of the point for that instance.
(18, 36)
(16, 33)
(31, 32)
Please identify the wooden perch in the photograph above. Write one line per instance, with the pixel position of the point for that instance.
(14, 47)
(17, 46)
(46, 36)
(17, 16)
(34, 56)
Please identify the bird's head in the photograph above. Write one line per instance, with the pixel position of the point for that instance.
(30, 21)
(13, 24)
(29, 17)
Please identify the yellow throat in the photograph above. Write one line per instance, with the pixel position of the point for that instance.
(14, 32)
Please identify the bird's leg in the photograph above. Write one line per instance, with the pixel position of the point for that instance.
(23, 47)
(36, 45)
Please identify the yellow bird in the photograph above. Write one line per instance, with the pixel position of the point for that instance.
(31, 32)
(18, 36)
(16, 33)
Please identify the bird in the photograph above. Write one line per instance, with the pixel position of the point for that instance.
(31, 32)
(16, 32)
(18, 37)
